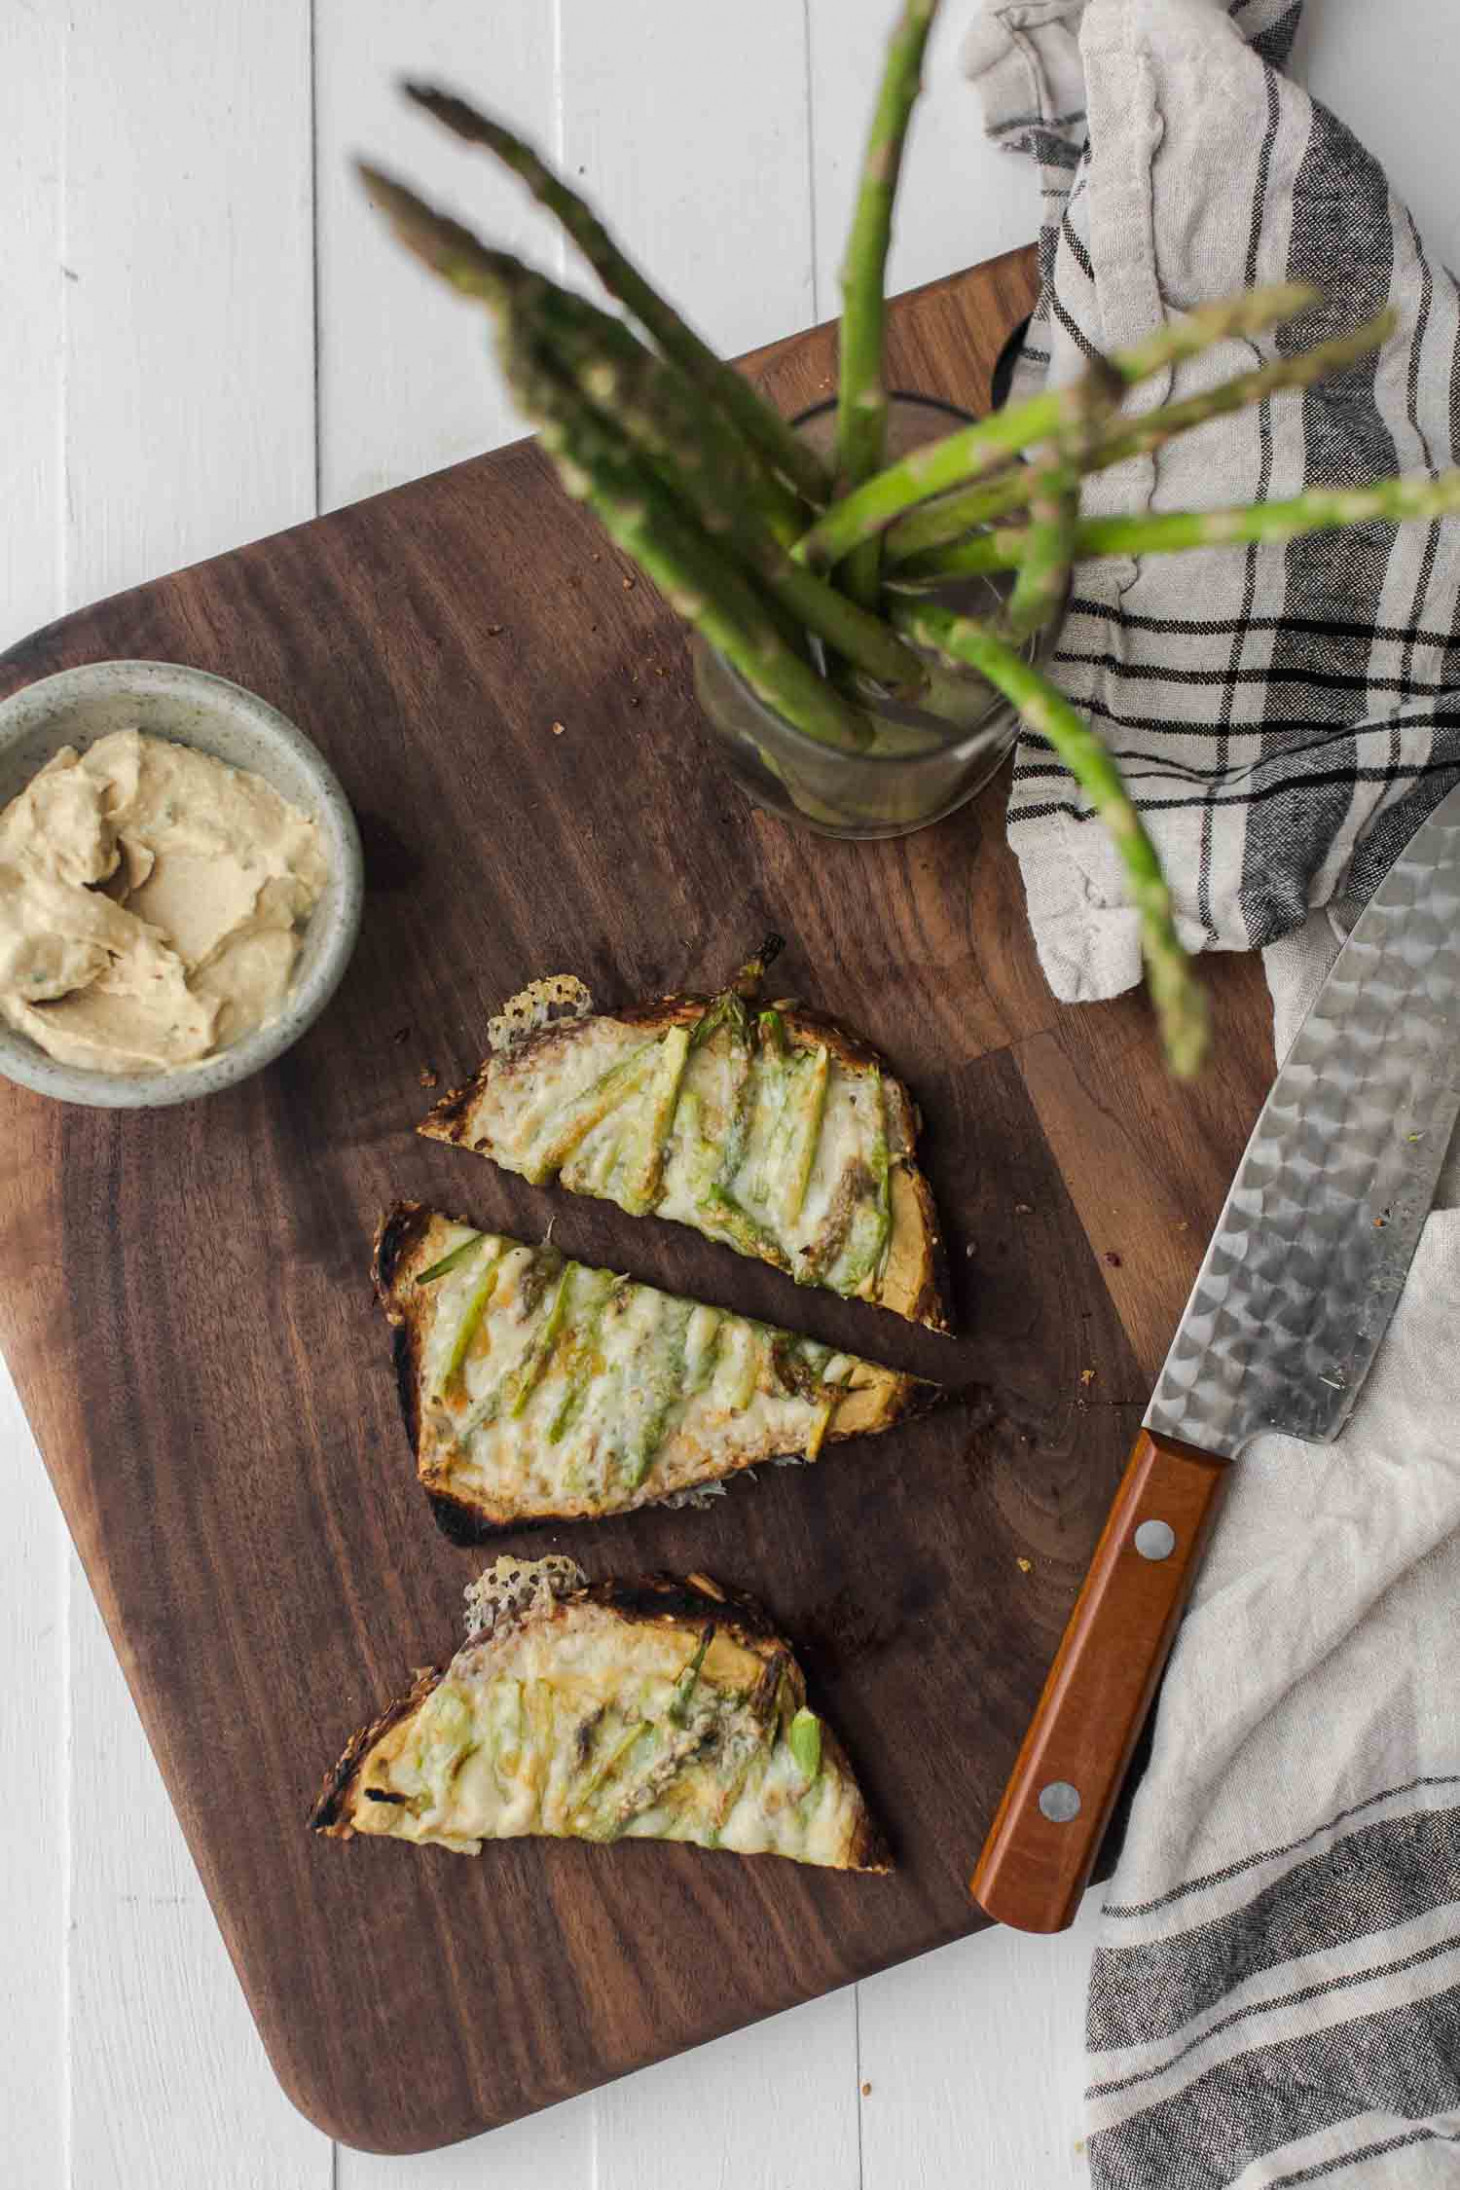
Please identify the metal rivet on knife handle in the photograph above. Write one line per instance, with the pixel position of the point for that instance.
(1059, 1801)
(1155, 1539)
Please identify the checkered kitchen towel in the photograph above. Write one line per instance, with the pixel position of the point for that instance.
(1285, 716)
(1275, 1996)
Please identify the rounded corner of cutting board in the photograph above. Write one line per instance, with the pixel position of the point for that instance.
(366, 2118)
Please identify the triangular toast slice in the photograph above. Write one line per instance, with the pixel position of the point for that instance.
(770, 1129)
(538, 1389)
(658, 1711)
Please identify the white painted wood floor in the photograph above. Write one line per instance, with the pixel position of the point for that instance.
(204, 337)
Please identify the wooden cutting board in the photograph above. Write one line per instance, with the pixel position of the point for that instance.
(185, 1304)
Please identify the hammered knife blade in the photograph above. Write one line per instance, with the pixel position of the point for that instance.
(1296, 1289)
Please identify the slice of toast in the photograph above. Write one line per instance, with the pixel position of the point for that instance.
(537, 1389)
(772, 1130)
(656, 1711)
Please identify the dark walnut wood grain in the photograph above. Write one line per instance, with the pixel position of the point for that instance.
(184, 1294)
(1047, 1830)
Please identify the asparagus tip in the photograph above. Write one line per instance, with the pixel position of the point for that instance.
(433, 97)
(749, 976)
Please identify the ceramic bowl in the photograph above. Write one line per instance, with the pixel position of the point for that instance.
(170, 701)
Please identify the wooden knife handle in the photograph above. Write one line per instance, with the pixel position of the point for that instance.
(1044, 1840)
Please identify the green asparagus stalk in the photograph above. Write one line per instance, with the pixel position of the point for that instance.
(698, 582)
(861, 424)
(1177, 995)
(636, 395)
(452, 1260)
(1174, 532)
(441, 243)
(689, 445)
(584, 340)
(517, 297)
(762, 427)
(1054, 505)
(967, 455)
(955, 514)
(475, 1309)
(532, 1368)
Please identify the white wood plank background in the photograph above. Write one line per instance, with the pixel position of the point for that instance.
(203, 337)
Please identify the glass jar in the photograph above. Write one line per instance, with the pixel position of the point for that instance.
(921, 763)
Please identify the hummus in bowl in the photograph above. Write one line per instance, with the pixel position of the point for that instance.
(180, 884)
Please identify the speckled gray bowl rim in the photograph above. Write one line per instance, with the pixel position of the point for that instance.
(270, 745)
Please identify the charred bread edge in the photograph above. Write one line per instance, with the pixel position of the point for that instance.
(403, 1226)
(330, 1812)
(665, 1599)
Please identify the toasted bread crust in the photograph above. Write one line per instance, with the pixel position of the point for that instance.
(400, 1231)
(919, 1295)
(921, 1300)
(666, 1600)
(400, 1242)
(336, 1797)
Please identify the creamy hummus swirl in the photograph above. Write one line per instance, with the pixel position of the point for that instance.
(152, 901)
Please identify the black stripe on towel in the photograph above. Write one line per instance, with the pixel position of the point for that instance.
(1374, 1878)
(1404, 2062)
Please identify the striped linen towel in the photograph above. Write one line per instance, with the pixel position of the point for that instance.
(1275, 1995)
(1285, 715)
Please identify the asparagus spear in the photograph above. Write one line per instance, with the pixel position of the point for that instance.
(451, 1261)
(584, 1341)
(803, 1739)
(697, 581)
(862, 395)
(688, 442)
(864, 1248)
(762, 427)
(684, 1687)
(571, 1123)
(641, 1189)
(1178, 998)
(955, 514)
(1054, 505)
(615, 372)
(668, 1392)
(741, 1229)
(974, 450)
(636, 396)
(441, 243)
(471, 1317)
(586, 343)
(1173, 532)
(532, 1368)
(805, 1120)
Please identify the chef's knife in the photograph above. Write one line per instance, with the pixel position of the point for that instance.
(1299, 1282)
